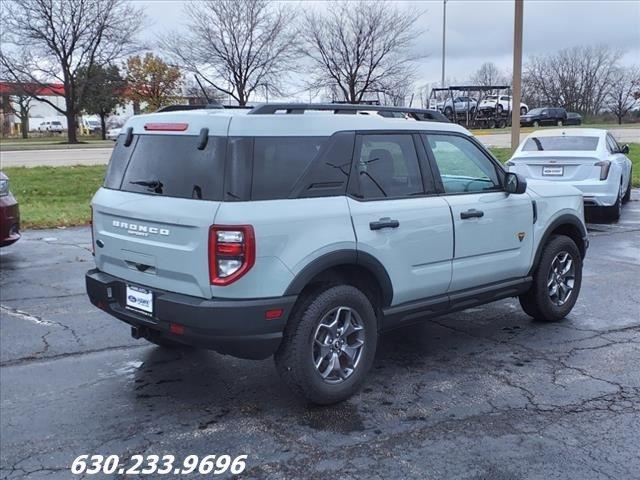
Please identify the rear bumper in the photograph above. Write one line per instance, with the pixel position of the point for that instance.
(234, 327)
(9, 220)
(596, 193)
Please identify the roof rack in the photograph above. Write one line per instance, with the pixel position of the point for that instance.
(350, 109)
(208, 106)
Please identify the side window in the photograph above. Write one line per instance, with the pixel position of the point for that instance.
(278, 163)
(612, 145)
(463, 167)
(387, 166)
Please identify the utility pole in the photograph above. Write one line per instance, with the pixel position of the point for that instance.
(444, 36)
(517, 75)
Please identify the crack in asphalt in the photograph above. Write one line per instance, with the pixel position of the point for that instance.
(40, 359)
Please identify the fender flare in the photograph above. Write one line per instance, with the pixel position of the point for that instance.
(343, 257)
(565, 219)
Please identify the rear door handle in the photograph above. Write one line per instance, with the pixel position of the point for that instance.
(385, 222)
(472, 213)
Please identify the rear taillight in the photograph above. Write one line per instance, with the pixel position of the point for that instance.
(232, 252)
(605, 165)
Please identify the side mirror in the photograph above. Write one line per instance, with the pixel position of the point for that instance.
(624, 149)
(514, 183)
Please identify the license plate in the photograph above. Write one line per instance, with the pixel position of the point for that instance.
(140, 299)
(553, 171)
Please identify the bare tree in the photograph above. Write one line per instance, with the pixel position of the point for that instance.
(578, 78)
(624, 83)
(359, 47)
(236, 46)
(489, 74)
(56, 40)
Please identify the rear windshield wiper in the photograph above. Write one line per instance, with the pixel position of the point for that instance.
(155, 185)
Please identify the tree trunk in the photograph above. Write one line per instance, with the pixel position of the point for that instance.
(72, 135)
(24, 126)
(103, 125)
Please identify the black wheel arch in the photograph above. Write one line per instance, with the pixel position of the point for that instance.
(568, 225)
(345, 260)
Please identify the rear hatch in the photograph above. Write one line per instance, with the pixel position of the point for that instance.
(557, 166)
(161, 193)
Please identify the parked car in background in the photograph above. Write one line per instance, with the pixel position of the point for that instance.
(501, 103)
(51, 126)
(573, 119)
(589, 159)
(460, 104)
(9, 214)
(538, 117)
(112, 133)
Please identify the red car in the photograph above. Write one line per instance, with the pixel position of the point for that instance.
(9, 214)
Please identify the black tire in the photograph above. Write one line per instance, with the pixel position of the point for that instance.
(448, 111)
(537, 302)
(559, 123)
(627, 194)
(613, 213)
(536, 123)
(294, 358)
(523, 110)
(499, 109)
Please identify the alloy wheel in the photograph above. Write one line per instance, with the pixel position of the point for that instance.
(338, 344)
(561, 279)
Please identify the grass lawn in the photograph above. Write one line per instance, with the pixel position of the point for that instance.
(54, 196)
(52, 142)
(60, 196)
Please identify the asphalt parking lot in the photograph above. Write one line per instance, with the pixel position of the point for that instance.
(482, 394)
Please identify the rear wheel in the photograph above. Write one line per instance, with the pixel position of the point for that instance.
(329, 344)
(559, 123)
(627, 194)
(536, 123)
(614, 212)
(556, 281)
(448, 111)
(523, 110)
(499, 108)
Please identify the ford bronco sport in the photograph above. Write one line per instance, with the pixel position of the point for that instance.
(303, 231)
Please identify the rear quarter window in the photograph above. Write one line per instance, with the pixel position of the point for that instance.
(278, 163)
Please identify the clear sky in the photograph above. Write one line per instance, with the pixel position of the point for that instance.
(481, 31)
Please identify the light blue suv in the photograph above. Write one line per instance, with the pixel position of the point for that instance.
(303, 231)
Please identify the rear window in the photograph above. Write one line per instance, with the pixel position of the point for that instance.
(168, 165)
(560, 143)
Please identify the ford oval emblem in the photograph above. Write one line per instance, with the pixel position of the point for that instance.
(132, 299)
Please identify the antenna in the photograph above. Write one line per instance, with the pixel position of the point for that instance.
(204, 92)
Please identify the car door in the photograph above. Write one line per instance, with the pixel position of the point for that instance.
(399, 219)
(493, 229)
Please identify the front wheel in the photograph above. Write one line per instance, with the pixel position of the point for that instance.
(329, 344)
(556, 281)
(536, 124)
(523, 110)
(559, 123)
